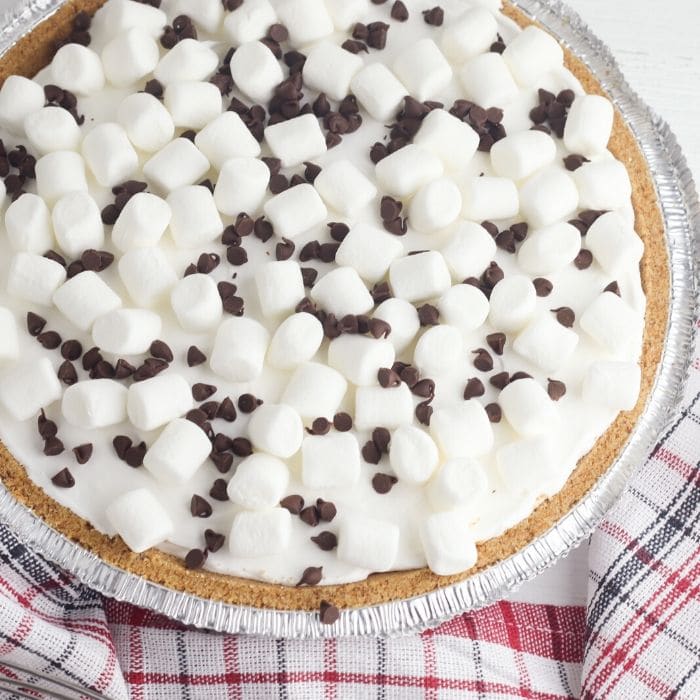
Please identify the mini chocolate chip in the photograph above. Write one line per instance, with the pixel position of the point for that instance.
(242, 447)
(210, 408)
(326, 510)
(207, 262)
(234, 306)
(410, 375)
(399, 11)
(202, 392)
(278, 183)
(247, 403)
(67, 374)
(327, 252)
(574, 162)
(613, 287)
(354, 46)
(434, 17)
(381, 437)
(134, 455)
(71, 350)
(195, 558)
(75, 268)
(191, 269)
(200, 507)
(278, 32)
(263, 229)
(327, 541)
(381, 292)
(342, 422)
(565, 316)
(497, 342)
(294, 503)
(161, 351)
(584, 259)
(555, 389)
(195, 356)
(121, 444)
(520, 375)
(506, 241)
(63, 479)
(236, 255)
(227, 411)
(590, 216)
(378, 328)
(218, 490)
(483, 360)
(543, 287)
(370, 453)
(35, 324)
(378, 152)
(320, 426)
(428, 315)
(214, 540)
(309, 276)
(519, 231)
(328, 614)
(53, 255)
(311, 577)
(311, 171)
(396, 227)
(425, 388)
(309, 515)
(222, 442)
(383, 483)
(491, 228)
(47, 428)
(387, 378)
(475, 387)
(284, 249)
(49, 339)
(566, 97)
(494, 413)
(500, 380)
(492, 275)
(390, 208)
(223, 461)
(53, 447)
(103, 370)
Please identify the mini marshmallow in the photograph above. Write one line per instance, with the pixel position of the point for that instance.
(423, 69)
(413, 454)
(192, 104)
(59, 173)
(458, 482)
(147, 123)
(259, 482)
(197, 304)
(77, 223)
(548, 197)
(315, 390)
(28, 387)
(206, 14)
(9, 336)
(147, 275)
(277, 430)
(296, 140)
(614, 324)
(280, 287)
(379, 91)
(330, 461)
(84, 298)
(306, 20)
(142, 222)
(615, 385)
(19, 97)
(95, 403)
(358, 358)
(449, 138)
(330, 69)
(589, 125)
(129, 57)
(420, 277)
(346, 12)
(295, 211)
(435, 206)
(242, 186)
(389, 408)
(403, 172)
(226, 137)
(403, 319)
(464, 307)
(195, 219)
(52, 129)
(604, 184)
(256, 71)
(525, 466)
(485, 198)
(487, 81)
(178, 164)
(28, 225)
(471, 34)
(344, 188)
(34, 278)
(614, 244)
(260, 533)
(531, 54)
(546, 343)
(513, 302)
(126, 331)
(296, 340)
(528, 408)
(368, 543)
(138, 517)
(120, 15)
(448, 543)
(77, 68)
(362, 238)
(342, 292)
(249, 22)
(521, 154)
(180, 450)
(239, 349)
(188, 60)
(462, 430)
(469, 251)
(154, 402)
(439, 349)
(109, 154)
(549, 250)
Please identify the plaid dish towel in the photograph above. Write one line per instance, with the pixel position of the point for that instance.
(639, 636)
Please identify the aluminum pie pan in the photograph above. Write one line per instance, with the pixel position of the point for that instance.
(681, 212)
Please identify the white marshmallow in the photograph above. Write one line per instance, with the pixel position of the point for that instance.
(344, 188)
(379, 91)
(413, 454)
(84, 298)
(458, 482)
(260, 533)
(197, 304)
(249, 22)
(423, 69)
(531, 54)
(9, 336)
(614, 324)
(242, 186)
(358, 358)
(330, 69)
(28, 387)
(77, 68)
(188, 60)
(147, 123)
(138, 517)
(589, 125)
(315, 390)
(256, 71)
(525, 466)
(157, 401)
(604, 184)
(52, 129)
(489, 198)
(277, 430)
(109, 154)
(119, 15)
(439, 349)
(513, 302)
(448, 543)
(77, 224)
(346, 12)
(142, 222)
(34, 278)
(614, 244)
(180, 450)
(368, 543)
(449, 138)
(306, 20)
(464, 307)
(388, 408)
(342, 292)
(615, 385)
(546, 343)
(295, 211)
(28, 225)
(95, 403)
(296, 140)
(549, 250)
(296, 340)
(330, 461)
(403, 319)
(420, 277)
(259, 482)
(487, 81)
(19, 97)
(403, 172)
(548, 197)
(239, 349)
(178, 164)
(469, 251)
(59, 173)
(206, 14)
(195, 219)
(147, 275)
(462, 430)
(126, 331)
(365, 237)
(435, 206)
(129, 57)
(192, 104)
(521, 154)
(528, 408)
(226, 137)
(280, 287)
(471, 34)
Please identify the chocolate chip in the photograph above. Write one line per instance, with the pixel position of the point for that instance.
(134, 455)
(223, 461)
(210, 408)
(121, 444)
(53, 447)
(613, 287)
(311, 172)
(590, 216)
(309, 276)
(428, 315)
(376, 35)
(202, 392)
(278, 32)
(399, 12)
(565, 316)
(543, 287)
(242, 447)
(370, 453)
(381, 292)
(555, 389)
(47, 428)
(387, 378)
(378, 152)
(506, 241)
(379, 329)
(234, 306)
(327, 252)
(584, 259)
(214, 540)
(278, 183)
(497, 342)
(390, 208)
(309, 515)
(200, 507)
(63, 479)
(520, 375)
(104, 370)
(49, 339)
(53, 255)
(500, 380)
(161, 351)
(35, 324)
(263, 229)
(195, 558)
(410, 375)
(284, 249)
(354, 46)
(222, 443)
(383, 483)
(236, 255)
(227, 411)
(475, 387)
(574, 162)
(320, 426)
(328, 613)
(566, 97)
(342, 422)
(195, 356)
(425, 388)
(294, 504)
(338, 231)
(434, 17)
(71, 350)
(207, 262)
(326, 510)
(483, 360)
(218, 490)
(327, 541)
(67, 374)
(247, 403)
(311, 577)
(494, 413)
(83, 453)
